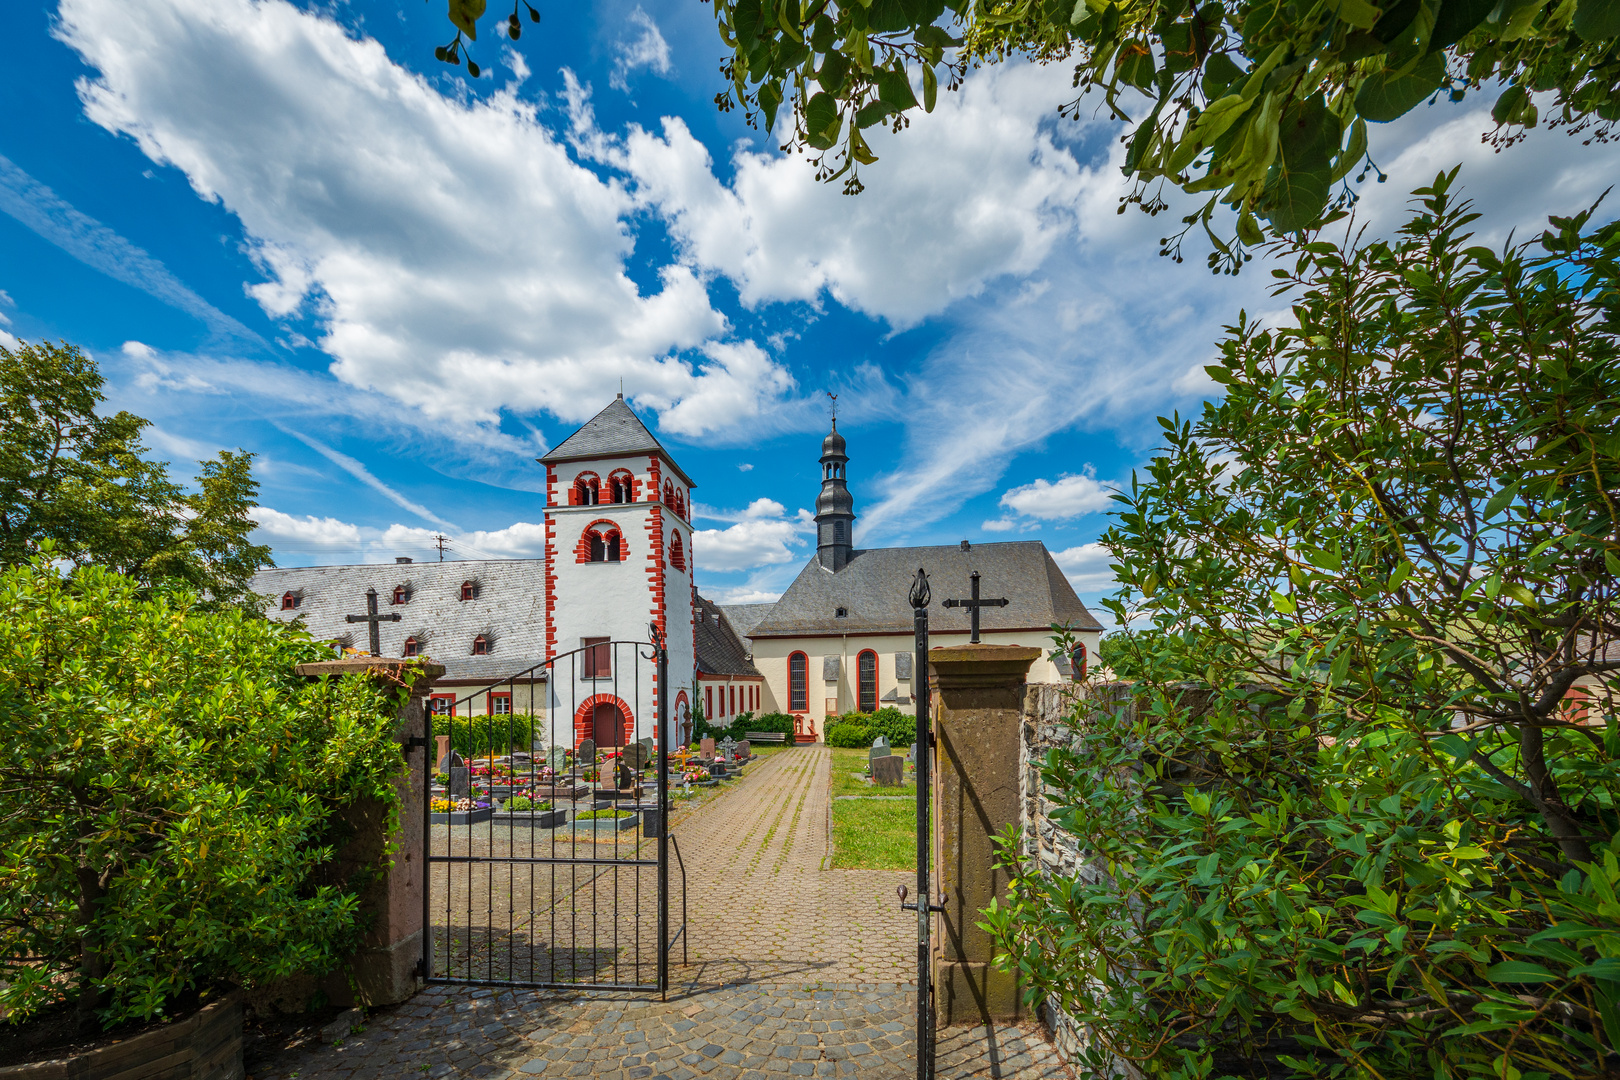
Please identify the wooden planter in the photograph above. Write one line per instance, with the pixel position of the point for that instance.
(207, 1045)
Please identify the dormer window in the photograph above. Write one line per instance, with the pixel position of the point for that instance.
(412, 647)
(841, 613)
(290, 600)
(480, 646)
(469, 590)
(401, 594)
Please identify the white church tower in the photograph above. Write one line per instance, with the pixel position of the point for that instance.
(618, 560)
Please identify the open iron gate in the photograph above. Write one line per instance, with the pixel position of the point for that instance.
(547, 898)
(923, 905)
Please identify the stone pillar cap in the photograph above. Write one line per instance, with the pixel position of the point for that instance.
(981, 665)
(389, 668)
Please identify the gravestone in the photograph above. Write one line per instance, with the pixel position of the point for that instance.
(729, 745)
(717, 768)
(652, 747)
(585, 753)
(444, 752)
(706, 749)
(889, 771)
(625, 776)
(911, 754)
(745, 750)
(880, 748)
(460, 782)
(557, 758)
(637, 755)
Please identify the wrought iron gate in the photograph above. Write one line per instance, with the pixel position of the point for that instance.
(924, 905)
(564, 892)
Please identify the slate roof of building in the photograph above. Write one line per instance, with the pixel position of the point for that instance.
(720, 649)
(510, 610)
(873, 589)
(744, 617)
(616, 431)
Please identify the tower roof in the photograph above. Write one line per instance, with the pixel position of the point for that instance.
(616, 431)
(833, 444)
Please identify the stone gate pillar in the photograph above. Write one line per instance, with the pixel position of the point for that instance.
(384, 970)
(978, 699)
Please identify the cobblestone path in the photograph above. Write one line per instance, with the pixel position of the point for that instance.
(794, 971)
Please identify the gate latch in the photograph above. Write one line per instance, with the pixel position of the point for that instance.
(901, 892)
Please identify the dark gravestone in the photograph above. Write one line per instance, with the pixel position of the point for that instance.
(717, 768)
(745, 750)
(460, 782)
(889, 771)
(625, 776)
(637, 755)
(585, 753)
(880, 749)
(652, 747)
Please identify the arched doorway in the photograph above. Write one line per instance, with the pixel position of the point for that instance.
(607, 725)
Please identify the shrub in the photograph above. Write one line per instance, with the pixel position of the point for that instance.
(169, 792)
(864, 728)
(589, 814)
(767, 722)
(485, 736)
(849, 736)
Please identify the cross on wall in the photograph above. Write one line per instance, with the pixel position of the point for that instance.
(973, 604)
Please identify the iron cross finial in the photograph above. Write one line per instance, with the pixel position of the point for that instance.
(973, 604)
(374, 619)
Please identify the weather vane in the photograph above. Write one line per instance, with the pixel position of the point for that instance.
(833, 407)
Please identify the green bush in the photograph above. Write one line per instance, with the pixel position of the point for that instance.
(523, 802)
(862, 729)
(849, 736)
(587, 815)
(767, 722)
(484, 736)
(169, 792)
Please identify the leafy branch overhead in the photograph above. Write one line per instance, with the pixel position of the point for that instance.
(1263, 105)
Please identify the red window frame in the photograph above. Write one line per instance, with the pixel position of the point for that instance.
(491, 698)
(399, 594)
(289, 601)
(798, 683)
(469, 591)
(412, 647)
(677, 552)
(866, 681)
(434, 700)
(480, 646)
(598, 658)
(708, 702)
(733, 701)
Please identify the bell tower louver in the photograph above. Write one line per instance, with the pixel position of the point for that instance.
(835, 508)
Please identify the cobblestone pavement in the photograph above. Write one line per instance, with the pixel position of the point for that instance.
(794, 971)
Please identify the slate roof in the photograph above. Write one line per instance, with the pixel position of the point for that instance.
(720, 649)
(510, 610)
(744, 617)
(873, 589)
(616, 431)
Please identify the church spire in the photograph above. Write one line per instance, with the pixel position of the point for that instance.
(835, 508)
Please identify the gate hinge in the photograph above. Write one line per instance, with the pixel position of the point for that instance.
(420, 970)
(413, 742)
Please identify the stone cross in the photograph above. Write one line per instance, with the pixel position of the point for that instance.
(373, 619)
(973, 605)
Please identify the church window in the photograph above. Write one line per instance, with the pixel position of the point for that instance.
(442, 704)
(708, 696)
(412, 647)
(677, 553)
(587, 490)
(669, 494)
(798, 683)
(401, 594)
(680, 503)
(733, 699)
(619, 486)
(500, 704)
(866, 696)
(469, 590)
(290, 601)
(480, 646)
(598, 658)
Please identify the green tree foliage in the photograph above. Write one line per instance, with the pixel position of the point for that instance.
(78, 479)
(1263, 104)
(1353, 824)
(168, 792)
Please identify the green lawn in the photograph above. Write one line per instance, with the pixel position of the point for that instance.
(848, 768)
(874, 834)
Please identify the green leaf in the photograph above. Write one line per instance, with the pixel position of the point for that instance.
(894, 90)
(1386, 96)
(1596, 20)
(465, 14)
(1283, 603)
(930, 89)
(1293, 200)
(1219, 74)
(1519, 971)
(873, 112)
(822, 121)
(1456, 19)
(834, 73)
(1358, 13)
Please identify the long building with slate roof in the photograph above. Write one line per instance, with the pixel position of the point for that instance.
(841, 638)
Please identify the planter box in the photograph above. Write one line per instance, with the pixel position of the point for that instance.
(531, 819)
(457, 817)
(207, 1045)
(606, 825)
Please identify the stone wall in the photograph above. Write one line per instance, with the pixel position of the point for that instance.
(1049, 720)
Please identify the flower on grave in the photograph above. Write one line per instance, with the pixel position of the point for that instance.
(440, 806)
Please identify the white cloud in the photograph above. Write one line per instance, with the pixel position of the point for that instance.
(745, 467)
(1086, 567)
(975, 190)
(744, 594)
(331, 540)
(455, 256)
(997, 525)
(762, 536)
(9, 340)
(648, 49)
(276, 527)
(364, 475)
(1071, 496)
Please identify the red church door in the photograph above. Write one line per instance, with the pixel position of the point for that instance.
(607, 726)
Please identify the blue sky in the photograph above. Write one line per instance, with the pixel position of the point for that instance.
(285, 227)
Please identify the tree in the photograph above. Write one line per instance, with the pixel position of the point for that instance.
(79, 480)
(170, 793)
(1364, 810)
(1264, 104)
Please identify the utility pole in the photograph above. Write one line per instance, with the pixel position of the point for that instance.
(440, 541)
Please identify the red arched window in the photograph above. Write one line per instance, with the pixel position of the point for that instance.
(290, 600)
(606, 547)
(587, 490)
(680, 503)
(480, 645)
(669, 494)
(619, 487)
(401, 594)
(412, 647)
(798, 683)
(866, 679)
(469, 590)
(677, 553)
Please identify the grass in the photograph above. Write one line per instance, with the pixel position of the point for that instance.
(874, 834)
(588, 814)
(848, 767)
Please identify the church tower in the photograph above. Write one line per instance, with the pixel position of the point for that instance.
(835, 508)
(618, 557)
